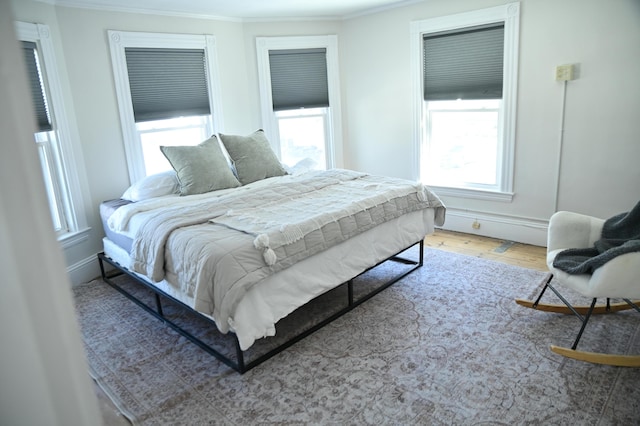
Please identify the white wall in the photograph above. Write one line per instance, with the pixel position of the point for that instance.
(43, 374)
(599, 174)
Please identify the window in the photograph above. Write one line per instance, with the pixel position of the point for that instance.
(190, 130)
(52, 136)
(462, 143)
(167, 90)
(300, 99)
(303, 135)
(466, 72)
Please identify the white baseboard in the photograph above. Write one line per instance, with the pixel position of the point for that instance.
(84, 271)
(511, 228)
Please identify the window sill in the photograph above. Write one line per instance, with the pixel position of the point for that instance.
(74, 238)
(478, 194)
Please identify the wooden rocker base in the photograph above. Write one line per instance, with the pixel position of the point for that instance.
(582, 310)
(598, 358)
(583, 313)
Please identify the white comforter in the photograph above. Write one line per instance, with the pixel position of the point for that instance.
(218, 246)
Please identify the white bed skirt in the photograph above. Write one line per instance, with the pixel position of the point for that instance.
(283, 292)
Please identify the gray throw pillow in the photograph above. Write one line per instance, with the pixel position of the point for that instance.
(252, 157)
(201, 168)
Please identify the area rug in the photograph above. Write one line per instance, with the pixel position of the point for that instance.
(445, 345)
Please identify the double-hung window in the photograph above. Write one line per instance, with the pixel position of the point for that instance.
(467, 94)
(300, 99)
(167, 89)
(52, 134)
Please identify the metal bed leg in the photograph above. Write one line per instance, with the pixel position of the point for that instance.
(350, 292)
(159, 305)
(239, 357)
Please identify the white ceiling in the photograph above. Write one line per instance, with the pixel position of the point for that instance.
(243, 9)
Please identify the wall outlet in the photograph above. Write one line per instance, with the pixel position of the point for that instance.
(564, 72)
(475, 224)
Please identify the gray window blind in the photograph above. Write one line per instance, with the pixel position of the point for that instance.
(167, 83)
(35, 83)
(299, 78)
(464, 64)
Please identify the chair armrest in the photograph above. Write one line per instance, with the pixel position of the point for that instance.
(619, 277)
(573, 230)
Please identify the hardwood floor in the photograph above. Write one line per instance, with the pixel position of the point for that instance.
(524, 255)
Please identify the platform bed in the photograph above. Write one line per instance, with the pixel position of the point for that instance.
(245, 259)
(238, 361)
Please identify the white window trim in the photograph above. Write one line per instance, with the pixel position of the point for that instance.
(510, 15)
(118, 41)
(73, 204)
(334, 118)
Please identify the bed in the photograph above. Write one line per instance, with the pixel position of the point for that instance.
(246, 255)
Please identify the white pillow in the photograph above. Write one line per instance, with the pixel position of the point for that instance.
(158, 185)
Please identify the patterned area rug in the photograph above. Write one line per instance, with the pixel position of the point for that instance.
(445, 345)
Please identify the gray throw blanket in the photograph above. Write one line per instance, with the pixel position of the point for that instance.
(620, 235)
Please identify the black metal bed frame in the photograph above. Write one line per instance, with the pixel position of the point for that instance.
(239, 363)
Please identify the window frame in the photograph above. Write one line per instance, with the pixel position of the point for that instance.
(333, 119)
(59, 147)
(118, 41)
(49, 156)
(510, 15)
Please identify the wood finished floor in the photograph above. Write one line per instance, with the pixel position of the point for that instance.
(524, 255)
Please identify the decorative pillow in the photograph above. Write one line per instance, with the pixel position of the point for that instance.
(158, 185)
(201, 168)
(252, 157)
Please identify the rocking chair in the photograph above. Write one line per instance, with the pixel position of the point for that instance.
(618, 278)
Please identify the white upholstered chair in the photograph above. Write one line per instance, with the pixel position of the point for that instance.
(618, 278)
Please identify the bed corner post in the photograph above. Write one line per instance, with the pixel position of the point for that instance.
(240, 367)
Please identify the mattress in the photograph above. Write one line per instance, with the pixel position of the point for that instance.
(279, 294)
(107, 208)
